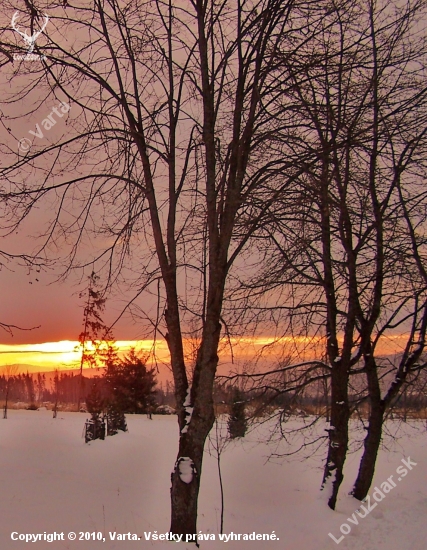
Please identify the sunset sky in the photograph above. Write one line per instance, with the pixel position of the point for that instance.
(64, 354)
(52, 311)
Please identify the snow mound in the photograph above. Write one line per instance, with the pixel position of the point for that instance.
(186, 469)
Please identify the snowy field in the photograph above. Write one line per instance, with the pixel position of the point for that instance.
(52, 482)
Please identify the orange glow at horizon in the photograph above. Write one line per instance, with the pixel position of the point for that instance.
(65, 355)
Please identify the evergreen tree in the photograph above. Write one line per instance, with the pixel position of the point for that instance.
(31, 392)
(114, 415)
(96, 339)
(116, 420)
(237, 423)
(95, 403)
(131, 384)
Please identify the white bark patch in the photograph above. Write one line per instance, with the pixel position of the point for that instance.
(186, 469)
(188, 411)
(187, 400)
(328, 485)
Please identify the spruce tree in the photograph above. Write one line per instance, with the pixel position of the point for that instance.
(95, 403)
(131, 384)
(96, 339)
(116, 419)
(237, 423)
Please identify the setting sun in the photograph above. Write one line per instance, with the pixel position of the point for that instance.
(64, 354)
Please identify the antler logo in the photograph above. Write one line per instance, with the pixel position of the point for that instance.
(29, 40)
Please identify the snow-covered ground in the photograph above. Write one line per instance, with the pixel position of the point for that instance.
(52, 482)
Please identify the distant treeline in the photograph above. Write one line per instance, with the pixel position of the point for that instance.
(25, 387)
(64, 388)
(36, 388)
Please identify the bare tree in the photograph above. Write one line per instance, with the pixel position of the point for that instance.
(159, 161)
(334, 245)
(56, 392)
(218, 442)
(8, 372)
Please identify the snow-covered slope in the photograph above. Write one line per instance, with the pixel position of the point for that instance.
(52, 482)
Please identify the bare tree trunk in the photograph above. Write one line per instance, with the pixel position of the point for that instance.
(5, 404)
(198, 419)
(411, 355)
(221, 488)
(326, 398)
(374, 433)
(55, 407)
(338, 434)
(371, 445)
(186, 480)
